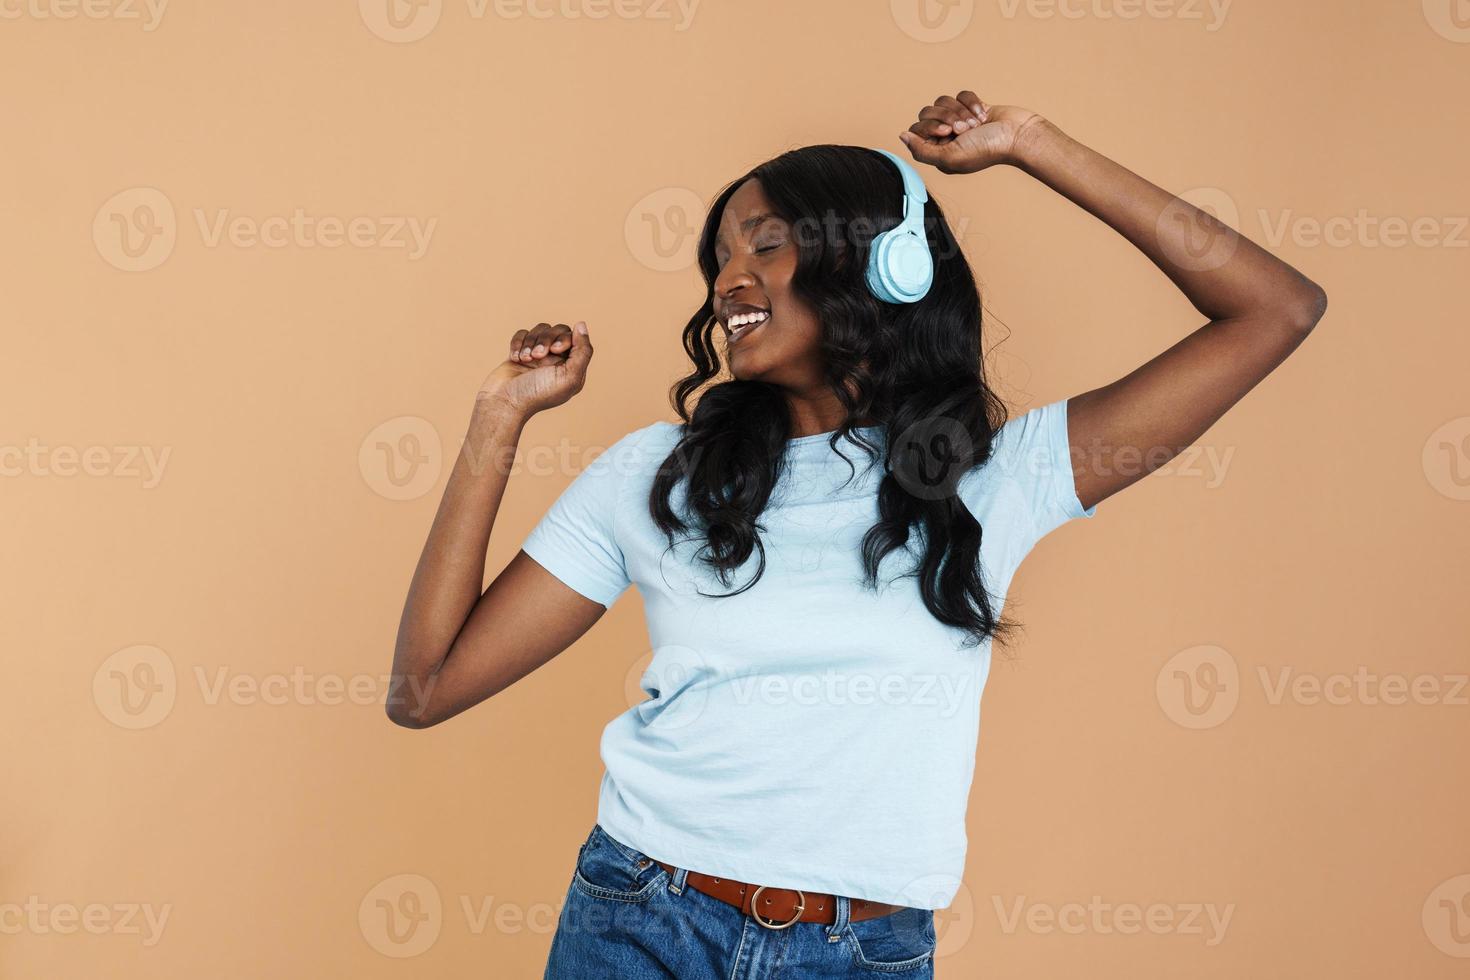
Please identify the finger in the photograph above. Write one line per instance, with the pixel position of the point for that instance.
(516, 341)
(938, 116)
(930, 130)
(964, 117)
(541, 337)
(927, 151)
(527, 342)
(958, 119)
(561, 340)
(972, 101)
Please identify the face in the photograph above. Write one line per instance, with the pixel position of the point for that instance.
(756, 253)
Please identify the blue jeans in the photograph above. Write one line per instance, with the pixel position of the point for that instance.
(629, 922)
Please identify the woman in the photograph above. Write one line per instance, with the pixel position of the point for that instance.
(823, 547)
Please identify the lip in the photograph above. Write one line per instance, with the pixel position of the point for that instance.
(732, 336)
(736, 309)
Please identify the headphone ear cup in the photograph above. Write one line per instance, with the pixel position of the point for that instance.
(876, 282)
(900, 267)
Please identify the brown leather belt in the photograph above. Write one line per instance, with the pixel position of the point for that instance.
(781, 906)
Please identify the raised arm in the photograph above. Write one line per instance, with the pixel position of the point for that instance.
(1259, 308)
(456, 646)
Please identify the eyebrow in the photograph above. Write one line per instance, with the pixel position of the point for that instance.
(750, 223)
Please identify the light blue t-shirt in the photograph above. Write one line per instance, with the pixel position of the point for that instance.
(807, 733)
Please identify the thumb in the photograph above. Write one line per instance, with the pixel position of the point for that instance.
(926, 151)
(581, 350)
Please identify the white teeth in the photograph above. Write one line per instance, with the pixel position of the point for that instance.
(741, 319)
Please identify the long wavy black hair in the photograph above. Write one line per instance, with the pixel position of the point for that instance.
(917, 370)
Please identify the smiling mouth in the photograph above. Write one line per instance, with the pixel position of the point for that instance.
(746, 327)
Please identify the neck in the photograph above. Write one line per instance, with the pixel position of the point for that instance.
(810, 420)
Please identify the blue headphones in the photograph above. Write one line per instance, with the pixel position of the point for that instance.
(900, 268)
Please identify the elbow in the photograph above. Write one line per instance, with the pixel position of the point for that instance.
(401, 716)
(409, 705)
(1305, 307)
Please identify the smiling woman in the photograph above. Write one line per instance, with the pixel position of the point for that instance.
(739, 824)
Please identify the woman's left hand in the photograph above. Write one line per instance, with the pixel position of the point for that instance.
(962, 134)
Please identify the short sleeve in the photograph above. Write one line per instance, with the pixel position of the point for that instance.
(1031, 468)
(577, 539)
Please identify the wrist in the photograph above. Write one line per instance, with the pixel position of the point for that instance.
(494, 410)
(1032, 141)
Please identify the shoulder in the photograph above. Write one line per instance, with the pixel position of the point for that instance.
(1030, 470)
(641, 449)
(1028, 451)
(1025, 447)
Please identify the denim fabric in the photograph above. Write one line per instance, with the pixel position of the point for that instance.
(627, 918)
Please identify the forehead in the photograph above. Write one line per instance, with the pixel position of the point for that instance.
(745, 209)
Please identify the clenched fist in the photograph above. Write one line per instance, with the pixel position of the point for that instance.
(547, 366)
(962, 134)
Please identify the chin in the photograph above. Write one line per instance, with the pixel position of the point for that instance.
(742, 366)
(745, 373)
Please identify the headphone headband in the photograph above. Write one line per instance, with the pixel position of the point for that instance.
(913, 186)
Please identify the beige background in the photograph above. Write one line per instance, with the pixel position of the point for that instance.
(193, 652)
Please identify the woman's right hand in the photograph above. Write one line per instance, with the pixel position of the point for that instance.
(547, 366)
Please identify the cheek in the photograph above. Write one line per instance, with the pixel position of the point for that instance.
(801, 335)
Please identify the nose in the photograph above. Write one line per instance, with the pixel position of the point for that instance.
(732, 278)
